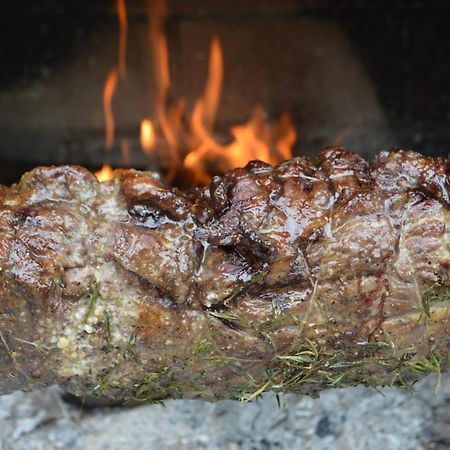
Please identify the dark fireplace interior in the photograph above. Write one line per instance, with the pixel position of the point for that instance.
(366, 75)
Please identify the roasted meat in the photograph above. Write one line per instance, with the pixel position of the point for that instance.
(310, 275)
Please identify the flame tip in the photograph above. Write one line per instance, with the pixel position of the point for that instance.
(147, 136)
(105, 173)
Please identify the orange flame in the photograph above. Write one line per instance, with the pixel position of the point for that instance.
(287, 137)
(203, 153)
(104, 174)
(123, 34)
(108, 93)
(214, 84)
(158, 40)
(256, 139)
(110, 86)
(251, 141)
(147, 137)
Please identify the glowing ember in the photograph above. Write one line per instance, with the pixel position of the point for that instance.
(105, 173)
(147, 137)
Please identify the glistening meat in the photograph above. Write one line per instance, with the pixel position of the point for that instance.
(310, 275)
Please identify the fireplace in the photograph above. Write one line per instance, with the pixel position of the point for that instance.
(193, 88)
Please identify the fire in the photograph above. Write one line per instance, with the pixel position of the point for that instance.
(253, 140)
(123, 34)
(158, 41)
(214, 84)
(257, 139)
(147, 137)
(286, 137)
(105, 173)
(191, 146)
(110, 86)
(108, 93)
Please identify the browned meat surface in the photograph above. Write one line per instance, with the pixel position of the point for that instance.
(310, 275)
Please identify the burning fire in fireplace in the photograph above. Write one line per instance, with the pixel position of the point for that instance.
(181, 143)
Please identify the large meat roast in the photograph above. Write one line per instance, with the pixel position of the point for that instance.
(310, 275)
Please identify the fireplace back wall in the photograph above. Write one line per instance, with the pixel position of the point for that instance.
(368, 77)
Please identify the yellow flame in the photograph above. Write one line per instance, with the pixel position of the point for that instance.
(104, 174)
(147, 136)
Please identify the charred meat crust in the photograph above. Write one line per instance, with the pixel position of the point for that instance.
(270, 278)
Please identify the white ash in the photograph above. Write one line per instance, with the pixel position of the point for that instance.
(351, 419)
